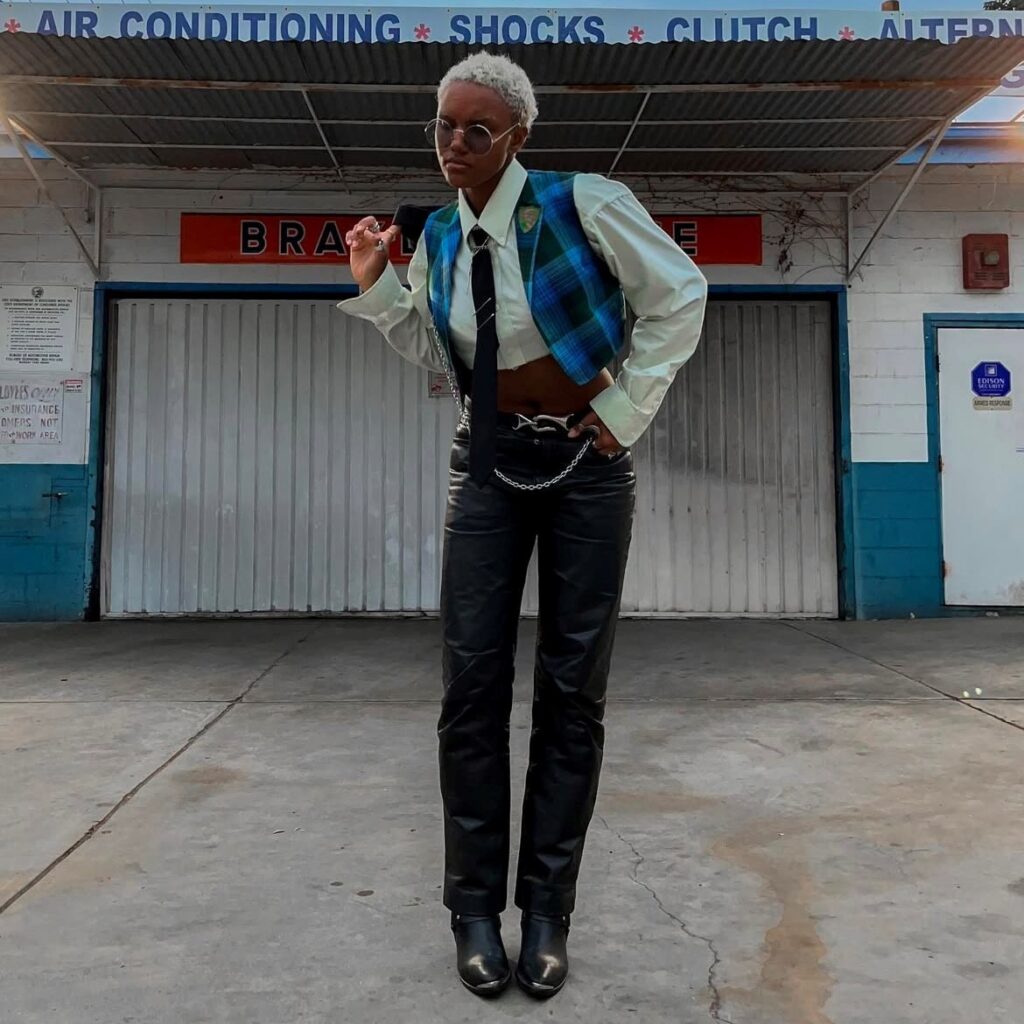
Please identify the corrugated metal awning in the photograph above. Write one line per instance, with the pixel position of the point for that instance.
(820, 114)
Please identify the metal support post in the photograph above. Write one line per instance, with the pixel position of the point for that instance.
(19, 145)
(30, 134)
(848, 208)
(894, 209)
(97, 238)
(323, 136)
(629, 134)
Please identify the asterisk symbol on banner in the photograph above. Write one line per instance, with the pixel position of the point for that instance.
(636, 34)
(422, 31)
(12, 26)
(847, 33)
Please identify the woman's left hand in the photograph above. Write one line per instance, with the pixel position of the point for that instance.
(604, 442)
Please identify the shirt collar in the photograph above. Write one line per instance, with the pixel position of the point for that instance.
(496, 217)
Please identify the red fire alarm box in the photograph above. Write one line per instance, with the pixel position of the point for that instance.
(986, 261)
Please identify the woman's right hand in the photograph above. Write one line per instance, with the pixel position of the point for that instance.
(366, 260)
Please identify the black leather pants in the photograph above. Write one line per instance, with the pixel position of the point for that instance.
(582, 531)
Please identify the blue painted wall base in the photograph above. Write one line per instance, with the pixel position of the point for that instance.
(43, 573)
(44, 576)
(897, 542)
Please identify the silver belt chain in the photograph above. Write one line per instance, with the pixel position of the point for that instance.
(464, 421)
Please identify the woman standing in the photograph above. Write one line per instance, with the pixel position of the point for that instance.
(517, 292)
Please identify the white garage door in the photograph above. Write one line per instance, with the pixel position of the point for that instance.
(269, 456)
(277, 456)
(735, 479)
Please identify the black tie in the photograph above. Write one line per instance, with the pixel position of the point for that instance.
(483, 413)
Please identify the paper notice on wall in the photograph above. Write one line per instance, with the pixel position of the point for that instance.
(38, 327)
(31, 411)
(43, 418)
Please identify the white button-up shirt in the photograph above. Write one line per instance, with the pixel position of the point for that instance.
(661, 284)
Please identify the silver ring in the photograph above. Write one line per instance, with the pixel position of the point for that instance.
(375, 226)
(381, 247)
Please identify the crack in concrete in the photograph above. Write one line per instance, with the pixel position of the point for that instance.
(965, 702)
(715, 1007)
(134, 791)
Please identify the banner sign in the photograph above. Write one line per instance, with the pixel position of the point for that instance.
(260, 238)
(1012, 84)
(320, 238)
(717, 239)
(494, 26)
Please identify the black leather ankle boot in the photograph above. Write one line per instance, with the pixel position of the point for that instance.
(543, 960)
(480, 954)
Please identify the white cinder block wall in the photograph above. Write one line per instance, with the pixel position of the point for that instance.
(37, 248)
(913, 269)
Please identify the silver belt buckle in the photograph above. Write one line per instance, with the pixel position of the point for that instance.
(557, 422)
(542, 423)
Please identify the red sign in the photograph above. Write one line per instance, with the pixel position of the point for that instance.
(272, 238)
(320, 238)
(717, 238)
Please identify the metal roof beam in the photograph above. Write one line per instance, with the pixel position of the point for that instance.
(79, 144)
(924, 137)
(744, 174)
(752, 149)
(189, 181)
(984, 84)
(403, 122)
(232, 146)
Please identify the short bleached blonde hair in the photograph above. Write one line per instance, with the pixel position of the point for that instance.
(502, 75)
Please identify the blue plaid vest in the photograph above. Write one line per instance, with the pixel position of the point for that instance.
(575, 299)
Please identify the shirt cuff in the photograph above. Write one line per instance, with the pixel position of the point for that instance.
(619, 415)
(379, 299)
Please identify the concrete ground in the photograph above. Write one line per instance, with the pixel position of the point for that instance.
(798, 823)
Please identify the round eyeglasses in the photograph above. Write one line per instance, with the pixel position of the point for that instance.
(478, 139)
